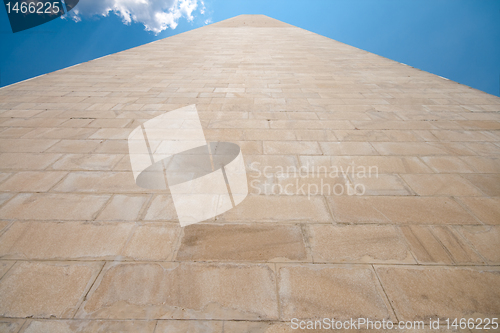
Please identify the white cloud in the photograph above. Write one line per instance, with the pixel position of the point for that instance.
(203, 8)
(155, 15)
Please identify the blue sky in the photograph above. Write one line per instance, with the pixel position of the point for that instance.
(457, 39)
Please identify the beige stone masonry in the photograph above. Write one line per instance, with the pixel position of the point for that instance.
(84, 249)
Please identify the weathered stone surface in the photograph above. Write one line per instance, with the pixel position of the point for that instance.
(45, 289)
(485, 239)
(4, 197)
(161, 209)
(347, 148)
(425, 246)
(488, 183)
(27, 206)
(406, 148)
(485, 209)
(324, 291)
(4, 175)
(5, 266)
(460, 251)
(103, 182)
(123, 208)
(440, 245)
(10, 325)
(261, 208)
(358, 243)
(190, 291)
(75, 146)
(32, 181)
(3, 225)
(377, 164)
(294, 147)
(242, 242)
(194, 326)
(152, 241)
(87, 326)
(380, 185)
(447, 164)
(395, 210)
(420, 293)
(87, 162)
(27, 161)
(440, 184)
(64, 240)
